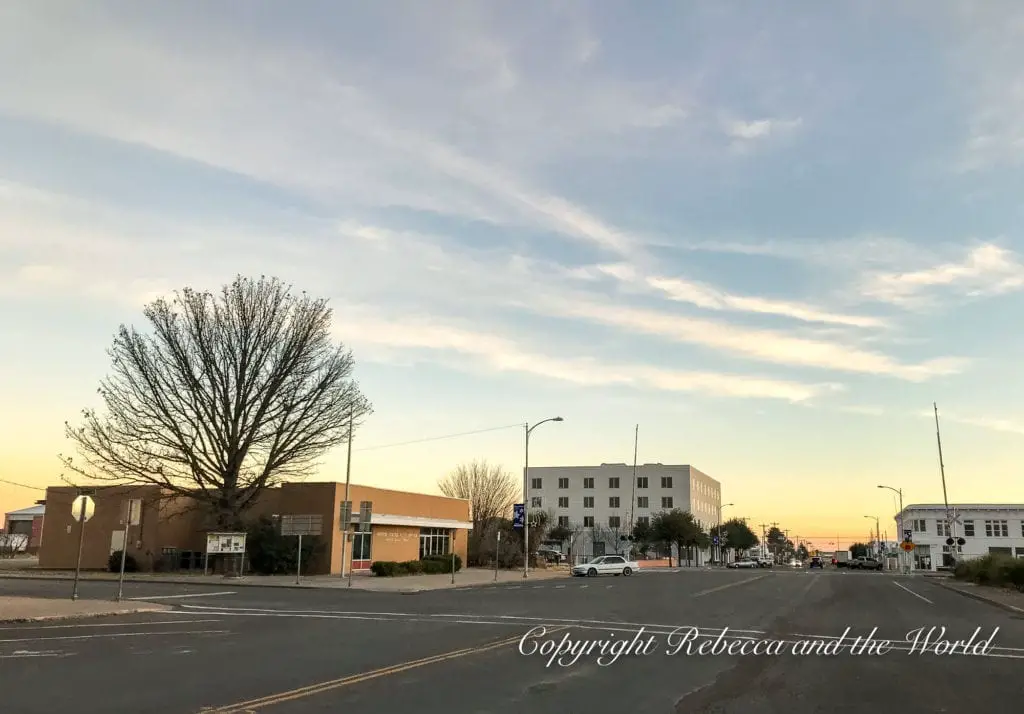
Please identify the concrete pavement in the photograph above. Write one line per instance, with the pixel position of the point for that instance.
(28, 609)
(281, 650)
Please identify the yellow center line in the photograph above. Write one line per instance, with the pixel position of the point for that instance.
(299, 693)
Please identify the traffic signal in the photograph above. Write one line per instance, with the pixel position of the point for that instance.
(961, 541)
(949, 541)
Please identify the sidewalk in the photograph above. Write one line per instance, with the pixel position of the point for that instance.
(1003, 598)
(32, 609)
(469, 577)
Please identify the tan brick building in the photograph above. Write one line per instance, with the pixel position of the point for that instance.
(172, 534)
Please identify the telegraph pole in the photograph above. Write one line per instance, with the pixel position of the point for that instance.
(774, 551)
(950, 523)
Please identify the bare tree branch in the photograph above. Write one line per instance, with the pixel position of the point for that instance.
(228, 395)
(490, 489)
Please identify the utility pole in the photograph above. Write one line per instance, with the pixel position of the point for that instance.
(764, 537)
(348, 479)
(774, 551)
(632, 502)
(950, 523)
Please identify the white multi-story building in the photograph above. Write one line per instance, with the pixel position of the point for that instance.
(606, 501)
(985, 527)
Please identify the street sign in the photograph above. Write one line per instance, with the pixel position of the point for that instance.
(217, 543)
(518, 516)
(82, 508)
(714, 539)
(365, 516)
(131, 512)
(907, 546)
(345, 518)
(301, 525)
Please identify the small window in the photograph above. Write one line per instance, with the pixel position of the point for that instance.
(563, 501)
(536, 502)
(613, 482)
(642, 501)
(563, 521)
(613, 502)
(666, 482)
(588, 501)
(645, 520)
(614, 522)
(588, 482)
(588, 521)
(563, 483)
(969, 528)
(920, 525)
(536, 484)
(666, 502)
(641, 482)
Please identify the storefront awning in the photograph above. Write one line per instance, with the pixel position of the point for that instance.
(383, 519)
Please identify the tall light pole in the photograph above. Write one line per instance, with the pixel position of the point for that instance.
(721, 551)
(526, 494)
(899, 492)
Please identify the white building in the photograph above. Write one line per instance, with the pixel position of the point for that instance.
(986, 528)
(606, 501)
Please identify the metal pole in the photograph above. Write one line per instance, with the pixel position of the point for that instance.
(124, 551)
(453, 556)
(526, 505)
(497, 554)
(352, 551)
(950, 525)
(81, 541)
(348, 480)
(298, 564)
(632, 503)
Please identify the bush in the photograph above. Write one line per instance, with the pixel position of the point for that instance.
(431, 565)
(114, 563)
(994, 570)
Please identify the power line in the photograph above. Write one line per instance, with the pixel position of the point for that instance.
(439, 438)
(22, 485)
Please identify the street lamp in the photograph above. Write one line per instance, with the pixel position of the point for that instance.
(878, 535)
(721, 551)
(526, 494)
(899, 492)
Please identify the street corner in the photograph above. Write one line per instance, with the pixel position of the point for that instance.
(1006, 599)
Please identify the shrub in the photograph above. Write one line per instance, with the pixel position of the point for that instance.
(431, 565)
(993, 569)
(114, 563)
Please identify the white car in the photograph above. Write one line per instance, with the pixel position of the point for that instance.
(606, 565)
(745, 563)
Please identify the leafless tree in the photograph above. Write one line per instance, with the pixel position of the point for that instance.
(226, 395)
(490, 489)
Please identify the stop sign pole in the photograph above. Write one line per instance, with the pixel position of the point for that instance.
(82, 505)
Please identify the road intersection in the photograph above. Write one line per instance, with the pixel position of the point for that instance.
(224, 649)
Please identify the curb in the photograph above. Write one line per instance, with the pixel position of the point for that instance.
(85, 615)
(981, 598)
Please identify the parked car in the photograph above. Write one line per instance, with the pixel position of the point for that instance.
(745, 563)
(863, 563)
(816, 562)
(606, 565)
(765, 563)
(794, 563)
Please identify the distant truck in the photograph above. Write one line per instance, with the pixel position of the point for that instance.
(842, 558)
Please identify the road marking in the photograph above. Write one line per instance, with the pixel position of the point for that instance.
(28, 655)
(912, 592)
(302, 692)
(559, 587)
(173, 597)
(728, 585)
(115, 624)
(117, 634)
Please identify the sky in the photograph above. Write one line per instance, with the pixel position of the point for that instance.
(771, 236)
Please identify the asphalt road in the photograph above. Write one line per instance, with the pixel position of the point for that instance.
(253, 649)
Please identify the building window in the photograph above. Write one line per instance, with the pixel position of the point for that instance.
(666, 502)
(536, 502)
(643, 520)
(588, 521)
(563, 483)
(1021, 529)
(588, 482)
(361, 546)
(969, 528)
(433, 541)
(942, 528)
(642, 502)
(536, 484)
(613, 482)
(919, 525)
(666, 482)
(614, 522)
(588, 501)
(563, 521)
(613, 502)
(641, 482)
(563, 501)
(997, 529)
